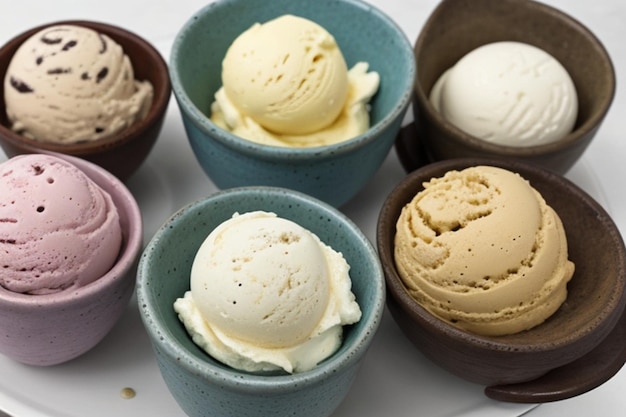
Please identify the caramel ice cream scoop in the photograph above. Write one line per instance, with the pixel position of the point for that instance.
(482, 250)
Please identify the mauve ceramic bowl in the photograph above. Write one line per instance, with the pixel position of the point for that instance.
(456, 27)
(332, 173)
(55, 328)
(123, 153)
(203, 386)
(595, 302)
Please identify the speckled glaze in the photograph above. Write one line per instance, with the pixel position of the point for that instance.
(55, 328)
(203, 386)
(456, 27)
(594, 305)
(121, 154)
(331, 173)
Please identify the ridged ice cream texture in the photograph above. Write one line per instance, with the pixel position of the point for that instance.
(509, 93)
(481, 249)
(58, 229)
(69, 84)
(266, 294)
(286, 83)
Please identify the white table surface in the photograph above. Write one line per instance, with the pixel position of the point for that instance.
(395, 379)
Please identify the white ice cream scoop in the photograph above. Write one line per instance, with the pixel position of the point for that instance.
(508, 93)
(266, 293)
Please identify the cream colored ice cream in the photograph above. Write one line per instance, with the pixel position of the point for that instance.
(267, 294)
(68, 84)
(286, 83)
(509, 93)
(58, 229)
(482, 250)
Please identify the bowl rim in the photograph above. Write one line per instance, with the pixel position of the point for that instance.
(159, 104)
(126, 260)
(271, 152)
(572, 139)
(397, 290)
(240, 380)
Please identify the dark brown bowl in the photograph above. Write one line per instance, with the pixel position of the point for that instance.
(457, 27)
(121, 154)
(595, 302)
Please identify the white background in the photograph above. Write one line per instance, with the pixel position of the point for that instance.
(395, 379)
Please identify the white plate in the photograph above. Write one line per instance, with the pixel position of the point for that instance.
(394, 376)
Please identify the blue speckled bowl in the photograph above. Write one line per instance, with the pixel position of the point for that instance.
(205, 387)
(332, 173)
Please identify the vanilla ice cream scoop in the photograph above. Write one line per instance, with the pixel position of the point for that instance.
(286, 83)
(67, 84)
(267, 294)
(482, 250)
(509, 93)
(58, 229)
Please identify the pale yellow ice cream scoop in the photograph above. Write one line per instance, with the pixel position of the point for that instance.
(68, 83)
(482, 250)
(286, 83)
(287, 74)
(267, 294)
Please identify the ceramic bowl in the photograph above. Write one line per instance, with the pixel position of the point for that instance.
(595, 301)
(456, 28)
(121, 154)
(203, 386)
(332, 173)
(54, 328)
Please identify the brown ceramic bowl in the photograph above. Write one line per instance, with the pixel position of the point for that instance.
(121, 154)
(457, 27)
(568, 340)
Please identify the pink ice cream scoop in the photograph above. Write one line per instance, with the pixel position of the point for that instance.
(58, 229)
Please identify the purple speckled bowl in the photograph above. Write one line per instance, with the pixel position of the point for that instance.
(55, 328)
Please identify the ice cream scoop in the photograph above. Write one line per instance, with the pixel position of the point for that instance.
(58, 229)
(286, 82)
(267, 294)
(68, 83)
(480, 249)
(509, 93)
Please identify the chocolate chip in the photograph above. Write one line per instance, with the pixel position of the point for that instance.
(102, 74)
(85, 76)
(50, 41)
(55, 71)
(20, 86)
(99, 129)
(69, 45)
(39, 60)
(103, 41)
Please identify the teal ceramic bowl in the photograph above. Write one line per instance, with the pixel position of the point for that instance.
(203, 386)
(332, 173)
